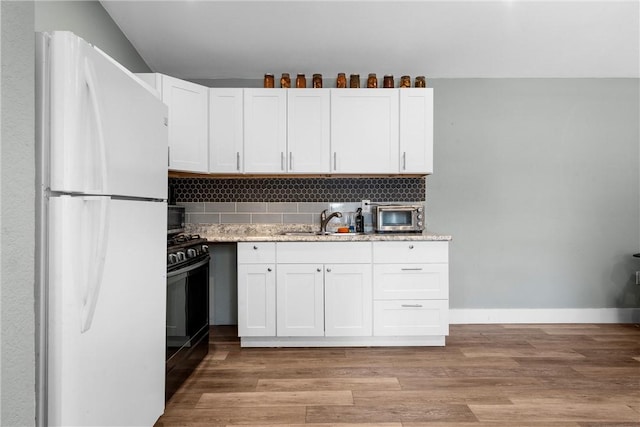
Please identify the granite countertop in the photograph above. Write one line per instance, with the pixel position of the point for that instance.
(223, 233)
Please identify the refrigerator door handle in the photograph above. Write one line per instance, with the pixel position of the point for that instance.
(90, 79)
(96, 266)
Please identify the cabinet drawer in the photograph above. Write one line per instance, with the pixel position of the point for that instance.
(324, 252)
(411, 281)
(410, 252)
(256, 252)
(410, 317)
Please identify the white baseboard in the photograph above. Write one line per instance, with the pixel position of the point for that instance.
(543, 315)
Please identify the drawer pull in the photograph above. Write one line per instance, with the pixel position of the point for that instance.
(412, 305)
(328, 270)
(411, 269)
(255, 248)
(269, 270)
(318, 270)
(410, 246)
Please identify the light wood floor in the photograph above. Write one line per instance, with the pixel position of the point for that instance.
(487, 375)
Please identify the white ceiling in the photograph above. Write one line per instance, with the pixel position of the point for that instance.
(510, 38)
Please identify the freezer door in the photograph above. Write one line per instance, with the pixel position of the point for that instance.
(106, 311)
(108, 133)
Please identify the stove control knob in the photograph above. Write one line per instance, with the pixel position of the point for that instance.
(191, 253)
(205, 248)
(181, 256)
(172, 258)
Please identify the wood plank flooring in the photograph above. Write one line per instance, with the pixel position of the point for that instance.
(576, 375)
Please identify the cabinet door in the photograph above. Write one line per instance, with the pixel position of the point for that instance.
(416, 130)
(308, 130)
(256, 300)
(265, 130)
(300, 300)
(364, 131)
(348, 296)
(225, 131)
(188, 124)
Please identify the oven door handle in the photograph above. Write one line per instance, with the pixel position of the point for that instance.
(188, 268)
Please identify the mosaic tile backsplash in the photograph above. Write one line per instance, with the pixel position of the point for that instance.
(343, 190)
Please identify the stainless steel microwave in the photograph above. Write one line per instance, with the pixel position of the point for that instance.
(175, 219)
(398, 218)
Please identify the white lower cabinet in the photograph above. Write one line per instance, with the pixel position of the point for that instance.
(411, 288)
(343, 293)
(323, 300)
(347, 295)
(256, 300)
(300, 300)
(256, 289)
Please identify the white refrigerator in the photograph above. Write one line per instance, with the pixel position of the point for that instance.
(101, 261)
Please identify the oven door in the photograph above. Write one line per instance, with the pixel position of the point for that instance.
(187, 321)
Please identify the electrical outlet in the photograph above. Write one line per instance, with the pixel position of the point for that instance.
(637, 277)
(366, 206)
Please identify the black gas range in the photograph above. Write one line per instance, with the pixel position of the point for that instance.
(187, 307)
(184, 250)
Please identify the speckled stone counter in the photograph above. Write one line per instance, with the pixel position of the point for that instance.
(225, 233)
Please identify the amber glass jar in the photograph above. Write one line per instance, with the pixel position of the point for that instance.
(285, 81)
(317, 81)
(354, 81)
(421, 81)
(372, 81)
(268, 80)
(301, 81)
(387, 82)
(341, 81)
(405, 81)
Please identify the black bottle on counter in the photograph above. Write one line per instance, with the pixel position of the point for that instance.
(359, 221)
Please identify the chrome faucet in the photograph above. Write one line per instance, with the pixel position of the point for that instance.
(324, 219)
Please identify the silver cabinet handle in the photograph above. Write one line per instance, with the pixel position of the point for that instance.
(404, 160)
(168, 156)
(282, 160)
(335, 160)
(238, 160)
(290, 161)
(410, 269)
(412, 305)
(328, 270)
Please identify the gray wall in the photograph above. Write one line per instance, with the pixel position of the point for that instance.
(89, 20)
(17, 215)
(538, 181)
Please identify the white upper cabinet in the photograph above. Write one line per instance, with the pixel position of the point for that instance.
(188, 124)
(416, 130)
(226, 134)
(265, 130)
(188, 121)
(364, 131)
(309, 128)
